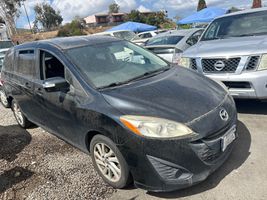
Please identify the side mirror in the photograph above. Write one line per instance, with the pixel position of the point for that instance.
(56, 84)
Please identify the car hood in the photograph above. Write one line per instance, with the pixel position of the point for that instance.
(237, 46)
(179, 94)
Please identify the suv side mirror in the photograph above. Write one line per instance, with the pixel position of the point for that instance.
(56, 84)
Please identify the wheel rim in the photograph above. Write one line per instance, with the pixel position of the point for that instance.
(107, 162)
(18, 114)
(3, 97)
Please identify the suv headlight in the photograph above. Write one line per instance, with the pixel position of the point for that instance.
(185, 62)
(263, 62)
(155, 127)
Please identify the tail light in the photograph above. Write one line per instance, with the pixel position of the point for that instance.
(177, 55)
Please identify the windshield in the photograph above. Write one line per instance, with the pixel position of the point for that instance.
(114, 62)
(249, 24)
(165, 40)
(126, 35)
(5, 44)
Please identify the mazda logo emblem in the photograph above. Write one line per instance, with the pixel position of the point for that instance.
(224, 114)
(219, 65)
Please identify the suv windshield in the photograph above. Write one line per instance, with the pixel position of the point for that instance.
(115, 63)
(165, 40)
(249, 24)
(126, 35)
(5, 44)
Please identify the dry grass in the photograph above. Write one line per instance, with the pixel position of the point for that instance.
(28, 37)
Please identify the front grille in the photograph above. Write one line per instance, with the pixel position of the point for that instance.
(253, 63)
(193, 64)
(220, 65)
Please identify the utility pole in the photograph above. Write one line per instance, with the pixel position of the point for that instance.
(27, 16)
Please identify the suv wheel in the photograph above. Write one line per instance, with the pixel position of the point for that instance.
(109, 162)
(3, 99)
(20, 118)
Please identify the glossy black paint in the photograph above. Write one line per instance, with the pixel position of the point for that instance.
(79, 113)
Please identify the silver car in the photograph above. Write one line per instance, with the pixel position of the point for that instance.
(170, 45)
(233, 49)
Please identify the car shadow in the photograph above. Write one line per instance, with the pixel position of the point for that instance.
(238, 156)
(13, 176)
(251, 106)
(13, 140)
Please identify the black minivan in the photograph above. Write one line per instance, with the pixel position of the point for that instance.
(164, 127)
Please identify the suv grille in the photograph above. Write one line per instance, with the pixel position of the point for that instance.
(223, 65)
(253, 63)
(193, 64)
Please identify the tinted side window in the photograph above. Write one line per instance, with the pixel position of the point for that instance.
(8, 61)
(26, 63)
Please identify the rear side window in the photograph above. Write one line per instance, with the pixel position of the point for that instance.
(8, 65)
(26, 63)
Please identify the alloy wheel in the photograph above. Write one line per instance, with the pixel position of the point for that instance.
(3, 97)
(107, 162)
(18, 114)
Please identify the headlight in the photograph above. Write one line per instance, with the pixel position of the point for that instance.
(263, 62)
(185, 62)
(155, 127)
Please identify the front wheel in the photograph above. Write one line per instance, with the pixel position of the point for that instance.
(20, 118)
(109, 162)
(3, 99)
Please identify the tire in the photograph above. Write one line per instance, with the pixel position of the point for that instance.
(3, 99)
(108, 159)
(19, 116)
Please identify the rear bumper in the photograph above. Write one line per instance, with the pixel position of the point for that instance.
(250, 85)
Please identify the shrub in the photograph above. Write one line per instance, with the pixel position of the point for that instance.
(74, 28)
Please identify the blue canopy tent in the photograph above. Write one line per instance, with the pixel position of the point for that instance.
(133, 26)
(205, 15)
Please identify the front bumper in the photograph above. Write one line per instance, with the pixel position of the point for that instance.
(171, 164)
(249, 85)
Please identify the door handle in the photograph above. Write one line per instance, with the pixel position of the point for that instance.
(39, 91)
(27, 85)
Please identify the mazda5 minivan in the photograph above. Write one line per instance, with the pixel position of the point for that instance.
(164, 127)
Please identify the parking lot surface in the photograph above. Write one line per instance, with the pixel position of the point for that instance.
(36, 165)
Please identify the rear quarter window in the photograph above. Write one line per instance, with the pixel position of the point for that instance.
(26, 63)
(8, 64)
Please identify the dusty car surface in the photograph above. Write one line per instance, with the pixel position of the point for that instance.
(141, 119)
(233, 49)
(170, 45)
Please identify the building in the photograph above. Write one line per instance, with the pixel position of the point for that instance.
(104, 19)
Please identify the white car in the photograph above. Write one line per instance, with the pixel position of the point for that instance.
(170, 45)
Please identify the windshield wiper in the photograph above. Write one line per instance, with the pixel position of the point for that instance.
(143, 76)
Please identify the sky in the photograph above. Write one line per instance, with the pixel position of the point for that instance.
(71, 8)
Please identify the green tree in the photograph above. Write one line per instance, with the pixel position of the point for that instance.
(201, 5)
(135, 16)
(114, 8)
(74, 28)
(47, 16)
(9, 10)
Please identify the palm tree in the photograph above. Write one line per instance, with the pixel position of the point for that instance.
(257, 4)
(201, 5)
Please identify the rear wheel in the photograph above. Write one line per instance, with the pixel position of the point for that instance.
(109, 162)
(20, 118)
(3, 99)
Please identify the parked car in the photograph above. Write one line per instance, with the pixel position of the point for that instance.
(140, 119)
(170, 45)
(123, 34)
(145, 36)
(4, 46)
(233, 49)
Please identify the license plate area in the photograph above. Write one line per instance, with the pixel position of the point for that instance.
(228, 138)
